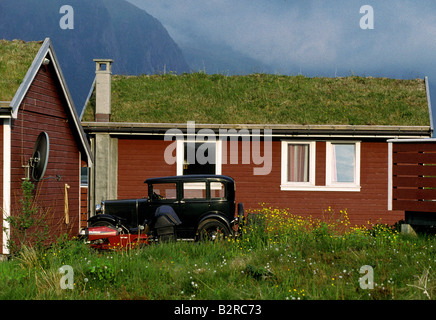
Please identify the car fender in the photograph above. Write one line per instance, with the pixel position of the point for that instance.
(104, 217)
(215, 216)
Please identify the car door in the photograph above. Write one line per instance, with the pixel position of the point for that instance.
(162, 193)
(194, 203)
(218, 199)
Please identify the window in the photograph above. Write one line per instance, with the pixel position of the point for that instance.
(343, 165)
(298, 165)
(198, 157)
(217, 190)
(194, 190)
(84, 176)
(342, 162)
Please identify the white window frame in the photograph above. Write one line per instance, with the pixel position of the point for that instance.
(297, 186)
(180, 154)
(342, 186)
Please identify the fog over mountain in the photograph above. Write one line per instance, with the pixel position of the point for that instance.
(109, 29)
(311, 37)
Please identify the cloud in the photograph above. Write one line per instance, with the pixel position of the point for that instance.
(314, 36)
(265, 30)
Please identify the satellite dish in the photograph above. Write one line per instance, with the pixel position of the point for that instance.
(38, 161)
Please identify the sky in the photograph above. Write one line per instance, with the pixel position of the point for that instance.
(310, 37)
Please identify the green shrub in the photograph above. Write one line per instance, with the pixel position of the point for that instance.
(27, 224)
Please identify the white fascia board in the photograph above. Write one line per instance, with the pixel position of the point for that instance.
(6, 184)
(47, 49)
(28, 79)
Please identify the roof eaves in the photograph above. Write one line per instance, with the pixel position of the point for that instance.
(47, 48)
(30, 75)
(282, 130)
(417, 140)
(5, 109)
(430, 113)
(87, 99)
(71, 105)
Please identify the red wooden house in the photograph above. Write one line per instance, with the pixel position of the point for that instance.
(35, 98)
(140, 128)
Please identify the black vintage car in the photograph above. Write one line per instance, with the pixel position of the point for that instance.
(180, 207)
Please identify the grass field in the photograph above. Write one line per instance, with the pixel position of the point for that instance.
(279, 256)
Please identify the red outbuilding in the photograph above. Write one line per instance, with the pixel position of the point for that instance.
(35, 101)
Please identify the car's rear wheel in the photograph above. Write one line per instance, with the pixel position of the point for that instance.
(212, 230)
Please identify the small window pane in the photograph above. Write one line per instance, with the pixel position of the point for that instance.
(343, 162)
(162, 191)
(217, 190)
(194, 190)
(298, 163)
(84, 176)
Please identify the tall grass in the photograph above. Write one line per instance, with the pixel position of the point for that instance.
(278, 256)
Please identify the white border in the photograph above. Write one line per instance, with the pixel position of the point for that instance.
(6, 182)
(390, 175)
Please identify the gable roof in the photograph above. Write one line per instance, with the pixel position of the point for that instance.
(266, 99)
(16, 81)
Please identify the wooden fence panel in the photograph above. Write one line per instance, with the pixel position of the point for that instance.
(414, 176)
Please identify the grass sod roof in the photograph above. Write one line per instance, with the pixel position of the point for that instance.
(266, 99)
(16, 57)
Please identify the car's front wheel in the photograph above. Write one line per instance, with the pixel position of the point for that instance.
(212, 230)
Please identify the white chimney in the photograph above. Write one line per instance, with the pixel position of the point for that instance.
(103, 89)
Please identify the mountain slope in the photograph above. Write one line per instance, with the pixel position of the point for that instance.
(113, 29)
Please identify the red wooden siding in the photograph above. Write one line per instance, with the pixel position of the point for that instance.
(414, 176)
(320, 164)
(370, 204)
(141, 158)
(43, 109)
(83, 202)
(83, 207)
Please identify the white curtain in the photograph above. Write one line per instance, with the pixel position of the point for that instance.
(298, 162)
